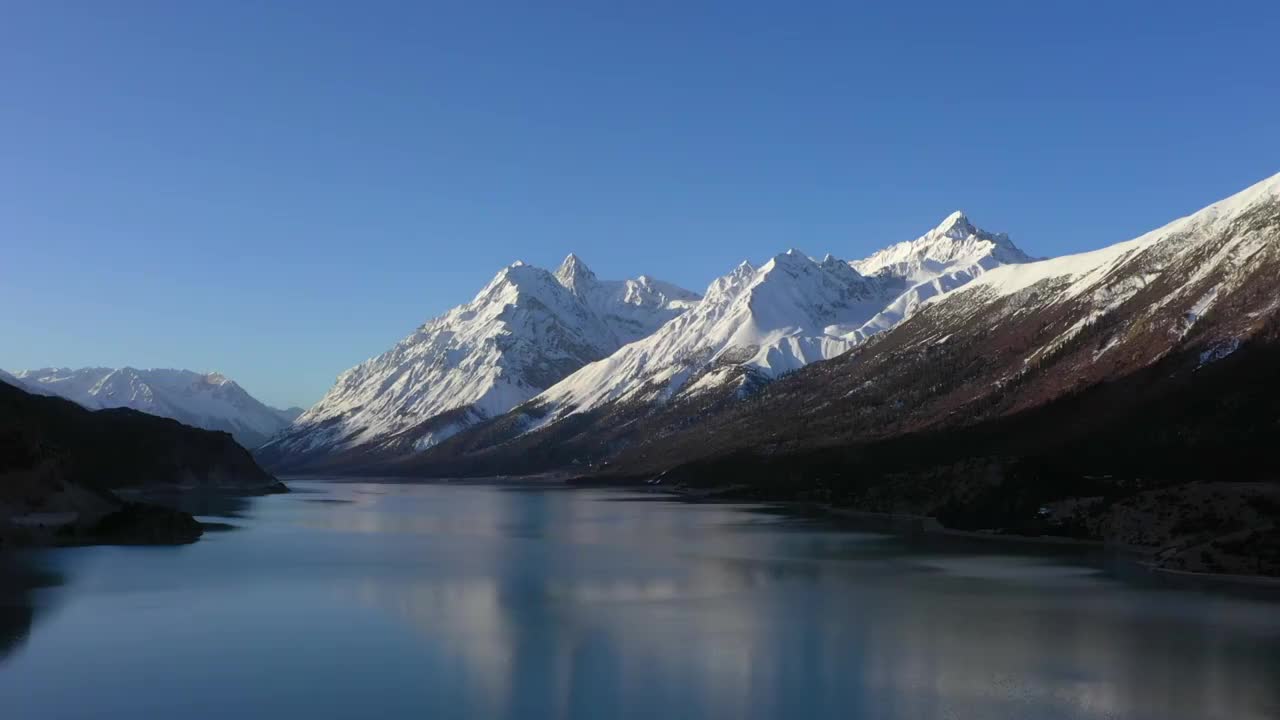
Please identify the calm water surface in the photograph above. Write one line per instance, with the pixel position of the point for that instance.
(367, 600)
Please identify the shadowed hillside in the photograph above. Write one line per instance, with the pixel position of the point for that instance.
(60, 463)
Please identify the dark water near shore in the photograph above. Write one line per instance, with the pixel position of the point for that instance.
(436, 601)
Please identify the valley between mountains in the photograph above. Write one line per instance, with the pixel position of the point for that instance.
(1128, 395)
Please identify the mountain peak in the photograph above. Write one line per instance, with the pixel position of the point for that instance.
(573, 271)
(523, 332)
(791, 258)
(956, 225)
(955, 245)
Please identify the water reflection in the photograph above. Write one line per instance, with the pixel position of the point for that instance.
(778, 625)
(465, 601)
(19, 581)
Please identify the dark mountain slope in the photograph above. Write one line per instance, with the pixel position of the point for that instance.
(59, 464)
(1191, 445)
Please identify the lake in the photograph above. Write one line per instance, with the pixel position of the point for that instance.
(383, 600)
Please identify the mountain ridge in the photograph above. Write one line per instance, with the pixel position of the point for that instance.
(527, 328)
(991, 334)
(1135, 307)
(206, 400)
(755, 324)
(750, 326)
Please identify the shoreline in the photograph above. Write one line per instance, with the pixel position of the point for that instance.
(907, 524)
(136, 515)
(1138, 556)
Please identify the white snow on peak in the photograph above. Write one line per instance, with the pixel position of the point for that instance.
(573, 272)
(956, 225)
(955, 244)
(947, 257)
(525, 330)
(1201, 257)
(787, 313)
(207, 400)
(1085, 270)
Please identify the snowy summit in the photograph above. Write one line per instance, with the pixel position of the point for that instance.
(523, 332)
(755, 324)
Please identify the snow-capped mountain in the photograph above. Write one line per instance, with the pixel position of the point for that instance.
(781, 316)
(1181, 298)
(524, 331)
(759, 323)
(941, 260)
(1115, 343)
(954, 245)
(1125, 395)
(1208, 279)
(205, 400)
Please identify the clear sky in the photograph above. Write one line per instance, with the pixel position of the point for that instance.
(279, 190)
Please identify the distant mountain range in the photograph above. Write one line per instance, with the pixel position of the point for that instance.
(755, 325)
(559, 343)
(204, 400)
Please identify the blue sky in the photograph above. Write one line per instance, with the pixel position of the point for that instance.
(280, 190)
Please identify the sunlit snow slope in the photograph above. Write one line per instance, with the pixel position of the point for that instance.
(759, 323)
(527, 329)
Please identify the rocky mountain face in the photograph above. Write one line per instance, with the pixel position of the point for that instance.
(205, 400)
(61, 466)
(527, 329)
